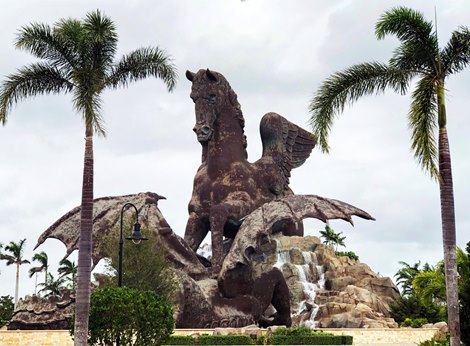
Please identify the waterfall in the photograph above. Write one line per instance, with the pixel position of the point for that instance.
(308, 280)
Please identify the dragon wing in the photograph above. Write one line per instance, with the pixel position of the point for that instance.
(107, 212)
(261, 223)
(285, 144)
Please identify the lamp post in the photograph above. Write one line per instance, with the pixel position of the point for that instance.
(136, 237)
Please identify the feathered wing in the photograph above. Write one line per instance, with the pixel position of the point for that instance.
(284, 144)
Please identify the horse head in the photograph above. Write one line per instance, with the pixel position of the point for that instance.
(210, 93)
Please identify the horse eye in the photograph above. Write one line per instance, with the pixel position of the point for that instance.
(211, 99)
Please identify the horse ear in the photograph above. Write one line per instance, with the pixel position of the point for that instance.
(211, 75)
(190, 75)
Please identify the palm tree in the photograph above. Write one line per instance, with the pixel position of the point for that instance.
(52, 287)
(407, 274)
(67, 268)
(40, 257)
(338, 240)
(328, 235)
(417, 56)
(77, 57)
(15, 257)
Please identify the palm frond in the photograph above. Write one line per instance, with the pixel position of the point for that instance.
(143, 63)
(40, 40)
(100, 32)
(32, 80)
(413, 30)
(88, 103)
(422, 118)
(405, 23)
(456, 54)
(347, 87)
(35, 270)
(430, 286)
(409, 56)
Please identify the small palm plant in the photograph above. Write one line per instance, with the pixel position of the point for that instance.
(68, 271)
(53, 286)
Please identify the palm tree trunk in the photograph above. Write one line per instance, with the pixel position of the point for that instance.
(82, 305)
(448, 223)
(17, 283)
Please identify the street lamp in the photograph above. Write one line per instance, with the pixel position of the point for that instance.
(136, 238)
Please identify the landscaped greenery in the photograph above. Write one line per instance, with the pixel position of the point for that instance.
(6, 309)
(423, 296)
(225, 340)
(305, 336)
(139, 318)
(144, 267)
(352, 255)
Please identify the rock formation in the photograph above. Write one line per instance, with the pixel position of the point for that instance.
(36, 313)
(328, 291)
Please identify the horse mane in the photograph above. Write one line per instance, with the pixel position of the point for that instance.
(233, 99)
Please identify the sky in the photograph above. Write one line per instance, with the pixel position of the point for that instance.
(275, 54)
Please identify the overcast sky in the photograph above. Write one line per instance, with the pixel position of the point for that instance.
(274, 54)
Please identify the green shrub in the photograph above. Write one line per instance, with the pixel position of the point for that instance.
(314, 339)
(261, 340)
(352, 255)
(225, 340)
(139, 318)
(6, 309)
(436, 341)
(179, 340)
(298, 330)
(414, 322)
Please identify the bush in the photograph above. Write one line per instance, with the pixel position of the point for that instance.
(140, 318)
(179, 340)
(414, 322)
(225, 340)
(411, 306)
(303, 335)
(295, 331)
(318, 339)
(6, 309)
(352, 255)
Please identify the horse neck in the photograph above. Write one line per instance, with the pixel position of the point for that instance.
(226, 145)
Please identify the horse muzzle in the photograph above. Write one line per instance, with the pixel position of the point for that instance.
(204, 133)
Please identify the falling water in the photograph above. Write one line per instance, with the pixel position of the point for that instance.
(307, 279)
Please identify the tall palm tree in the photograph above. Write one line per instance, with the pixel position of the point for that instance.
(15, 257)
(77, 57)
(40, 257)
(67, 268)
(418, 56)
(52, 287)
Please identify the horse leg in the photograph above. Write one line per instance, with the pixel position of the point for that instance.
(217, 218)
(195, 231)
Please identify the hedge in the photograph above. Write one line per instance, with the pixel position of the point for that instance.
(225, 340)
(310, 340)
(179, 340)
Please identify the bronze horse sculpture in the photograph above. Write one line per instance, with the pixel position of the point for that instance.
(227, 187)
